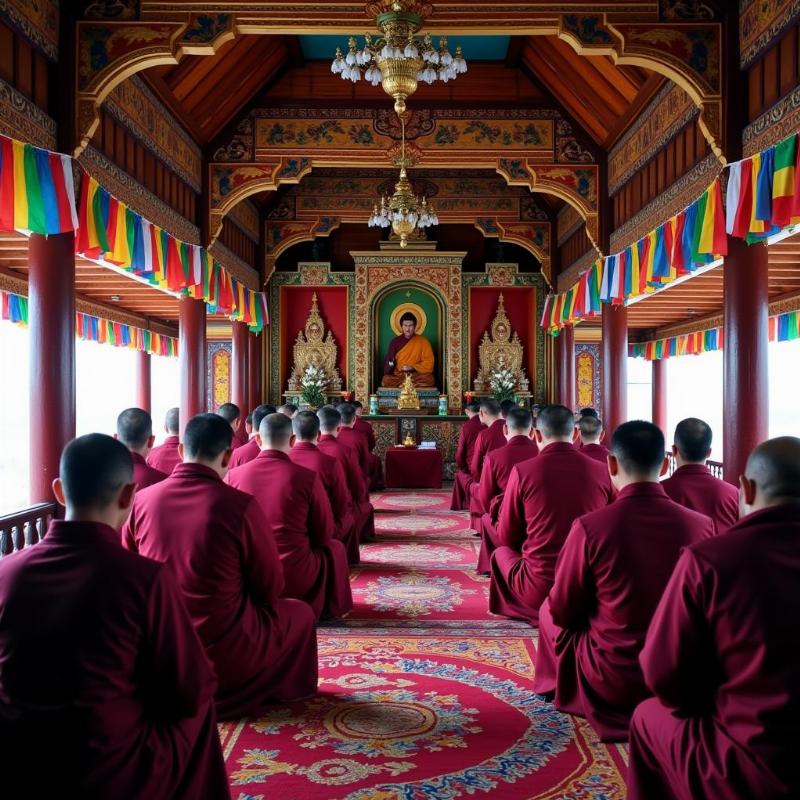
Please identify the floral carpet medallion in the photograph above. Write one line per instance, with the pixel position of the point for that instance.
(418, 554)
(420, 718)
(416, 594)
(411, 501)
(414, 523)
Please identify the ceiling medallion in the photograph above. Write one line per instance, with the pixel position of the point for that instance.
(398, 59)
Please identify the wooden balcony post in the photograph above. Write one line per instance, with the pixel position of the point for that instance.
(615, 367)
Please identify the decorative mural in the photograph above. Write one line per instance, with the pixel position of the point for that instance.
(774, 125)
(21, 119)
(669, 111)
(587, 374)
(218, 374)
(761, 22)
(37, 20)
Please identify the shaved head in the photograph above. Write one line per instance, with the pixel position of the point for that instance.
(93, 469)
(555, 422)
(490, 407)
(473, 406)
(329, 419)
(639, 448)
(519, 421)
(693, 440)
(171, 422)
(206, 436)
(259, 412)
(289, 409)
(229, 412)
(348, 412)
(134, 428)
(590, 428)
(506, 406)
(275, 430)
(306, 426)
(774, 468)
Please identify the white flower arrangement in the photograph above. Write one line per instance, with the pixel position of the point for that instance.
(502, 384)
(313, 385)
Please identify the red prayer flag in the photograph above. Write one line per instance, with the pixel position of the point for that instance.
(6, 184)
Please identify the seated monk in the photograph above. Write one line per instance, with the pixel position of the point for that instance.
(102, 669)
(330, 426)
(467, 437)
(289, 409)
(497, 467)
(543, 497)
(692, 484)
(165, 456)
(135, 431)
(247, 452)
(306, 453)
(591, 438)
(490, 438)
(409, 354)
(721, 654)
(232, 414)
(375, 465)
(224, 557)
(610, 576)
(297, 508)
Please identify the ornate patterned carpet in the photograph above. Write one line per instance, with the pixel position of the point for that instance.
(423, 693)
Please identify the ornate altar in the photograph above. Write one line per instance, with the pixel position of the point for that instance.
(313, 348)
(500, 350)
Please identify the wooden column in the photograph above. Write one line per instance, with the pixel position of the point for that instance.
(659, 389)
(254, 369)
(745, 385)
(143, 381)
(565, 368)
(239, 371)
(51, 305)
(615, 367)
(192, 357)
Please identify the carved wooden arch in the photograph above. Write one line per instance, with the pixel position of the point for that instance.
(518, 233)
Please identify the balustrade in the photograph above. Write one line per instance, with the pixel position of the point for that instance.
(25, 527)
(716, 467)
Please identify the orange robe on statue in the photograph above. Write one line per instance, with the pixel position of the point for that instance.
(416, 353)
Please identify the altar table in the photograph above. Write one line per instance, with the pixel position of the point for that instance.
(413, 468)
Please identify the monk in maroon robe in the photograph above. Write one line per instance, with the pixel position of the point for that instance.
(721, 655)
(467, 437)
(105, 690)
(494, 477)
(330, 425)
(297, 508)
(490, 438)
(543, 498)
(609, 578)
(409, 354)
(224, 557)
(232, 414)
(591, 433)
(135, 431)
(692, 484)
(165, 456)
(350, 437)
(247, 452)
(376, 482)
(289, 409)
(306, 453)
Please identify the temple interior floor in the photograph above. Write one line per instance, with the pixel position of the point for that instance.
(423, 693)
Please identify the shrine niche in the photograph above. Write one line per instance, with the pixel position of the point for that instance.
(313, 348)
(500, 349)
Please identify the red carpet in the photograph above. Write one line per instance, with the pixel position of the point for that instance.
(423, 694)
(410, 501)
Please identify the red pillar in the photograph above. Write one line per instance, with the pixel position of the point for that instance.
(239, 370)
(254, 367)
(660, 394)
(192, 356)
(565, 343)
(615, 367)
(143, 385)
(745, 385)
(51, 306)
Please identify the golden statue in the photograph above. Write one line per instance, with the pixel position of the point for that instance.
(408, 400)
(313, 348)
(500, 351)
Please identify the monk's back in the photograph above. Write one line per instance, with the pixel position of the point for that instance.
(693, 486)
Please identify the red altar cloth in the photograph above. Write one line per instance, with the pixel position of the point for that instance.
(413, 468)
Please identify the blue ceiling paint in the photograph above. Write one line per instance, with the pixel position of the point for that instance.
(476, 48)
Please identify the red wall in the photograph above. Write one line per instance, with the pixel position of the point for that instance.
(295, 304)
(520, 303)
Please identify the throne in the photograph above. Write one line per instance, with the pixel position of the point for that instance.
(501, 350)
(313, 348)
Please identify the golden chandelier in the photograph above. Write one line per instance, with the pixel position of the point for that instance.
(398, 59)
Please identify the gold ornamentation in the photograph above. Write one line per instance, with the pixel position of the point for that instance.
(416, 310)
(500, 351)
(408, 400)
(313, 348)
(409, 441)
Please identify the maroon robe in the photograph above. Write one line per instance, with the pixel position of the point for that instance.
(225, 560)
(143, 474)
(488, 439)
(347, 457)
(165, 456)
(362, 426)
(244, 454)
(331, 473)
(105, 690)
(693, 486)
(467, 437)
(599, 452)
(374, 465)
(723, 661)
(350, 437)
(297, 508)
(609, 579)
(543, 497)
(494, 478)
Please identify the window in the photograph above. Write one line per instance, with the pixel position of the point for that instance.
(14, 418)
(640, 393)
(166, 391)
(784, 388)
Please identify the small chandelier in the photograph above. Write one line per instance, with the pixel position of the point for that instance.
(398, 59)
(403, 211)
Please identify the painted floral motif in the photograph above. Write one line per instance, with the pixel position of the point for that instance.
(415, 555)
(413, 594)
(413, 523)
(410, 501)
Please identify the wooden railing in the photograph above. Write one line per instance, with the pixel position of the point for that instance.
(714, 466)
(24, 528)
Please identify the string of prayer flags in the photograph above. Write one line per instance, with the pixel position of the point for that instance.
(686, 344)
(14, 308)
